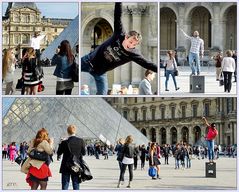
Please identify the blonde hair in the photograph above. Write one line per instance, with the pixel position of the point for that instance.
(71, 129)
(31, 53)
(229, 53)
(6, 61)
(129, 139)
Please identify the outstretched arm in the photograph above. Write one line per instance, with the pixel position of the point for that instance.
(205, 121)
(118, 26)
(185, 35)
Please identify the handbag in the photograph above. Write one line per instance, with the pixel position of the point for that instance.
(18, 160)
(120, 156)
(20, 83)
(85, 174)
(75, 72)
(221, 80)
(175, 69)
(175, 72)
(152, 172)
(40, 88)
(38, 155)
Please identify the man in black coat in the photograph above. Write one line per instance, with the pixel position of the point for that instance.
(77, 148)
(118, 50)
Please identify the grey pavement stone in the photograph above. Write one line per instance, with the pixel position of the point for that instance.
(106, 174)
(211, 85)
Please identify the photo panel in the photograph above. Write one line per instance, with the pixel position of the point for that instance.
(119, 48)
(198, 48)
(40, 48)
(177, 134)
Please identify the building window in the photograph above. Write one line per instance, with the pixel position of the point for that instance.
(173, 112)
(135, 115)
(125, 100)
(218, 105)
(194, 111)
(25, 39)
(144, 99)
(206, 109)
(183, 111)
(43, 28)
(144, 114)
(56, 30)
(153, 113)
(153, 98)
(135, 100)
(16, 39)
(162, 113)
(125, 114)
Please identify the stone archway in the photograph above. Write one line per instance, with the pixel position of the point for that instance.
(167, 29)
(197, 133)
(96, 32)
(185, 134)
(174, 135)
(153, 134)
(201, 22)
(143, 131)
(163, 136)
(231, 28)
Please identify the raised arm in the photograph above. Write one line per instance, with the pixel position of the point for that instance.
(118, 26)
(205, 121)
(185, 35)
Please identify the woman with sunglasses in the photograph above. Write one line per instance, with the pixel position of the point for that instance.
(211, 135)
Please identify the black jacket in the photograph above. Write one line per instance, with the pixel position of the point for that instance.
(77, 147)
(112, 54)
(128, 151)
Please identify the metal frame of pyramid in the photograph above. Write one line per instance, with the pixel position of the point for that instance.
(93, 117)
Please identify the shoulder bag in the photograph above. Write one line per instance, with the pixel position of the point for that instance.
(38, 155)
(175, 69)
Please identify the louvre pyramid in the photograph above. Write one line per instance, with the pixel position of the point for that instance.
(94, 118)
(70, 33)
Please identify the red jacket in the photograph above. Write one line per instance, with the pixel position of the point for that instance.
(212, 133)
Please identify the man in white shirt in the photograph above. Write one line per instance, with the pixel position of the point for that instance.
(35, 43)
(196, 51)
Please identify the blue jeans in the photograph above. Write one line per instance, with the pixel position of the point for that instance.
(101, 81)
(168, 72)
(65, 180)
(210, 146)
(191, 58)
(188, 161)
(176, 164)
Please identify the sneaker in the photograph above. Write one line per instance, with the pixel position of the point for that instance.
(198, 73)
(166, 90)
(192, 74)
(154, 178)
(177, 88)
(128, 186)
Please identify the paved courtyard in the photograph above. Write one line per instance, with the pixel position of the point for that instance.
(106, 174)
(211, 85)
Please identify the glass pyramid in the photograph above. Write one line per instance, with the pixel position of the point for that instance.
(94, 118)
(70, 33)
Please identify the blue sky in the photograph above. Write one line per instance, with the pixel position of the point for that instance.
(7, 102)
(55, 10)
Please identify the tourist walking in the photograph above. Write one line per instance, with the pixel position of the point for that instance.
(73, 146)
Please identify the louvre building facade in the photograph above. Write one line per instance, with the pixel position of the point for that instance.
(94, 118)
(20, 22)
(170, 120)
